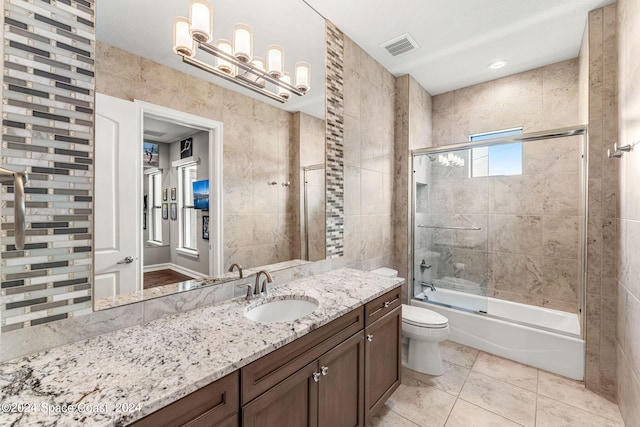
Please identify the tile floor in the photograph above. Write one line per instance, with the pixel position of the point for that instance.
(479, 389)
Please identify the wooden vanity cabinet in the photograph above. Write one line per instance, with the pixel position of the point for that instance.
(383, 351)
(327, 391)
(214, 405)
(339, 375)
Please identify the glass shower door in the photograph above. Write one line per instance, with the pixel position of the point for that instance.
(450, 245)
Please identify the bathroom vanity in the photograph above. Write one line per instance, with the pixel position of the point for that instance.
(214, 367)
(339, 374)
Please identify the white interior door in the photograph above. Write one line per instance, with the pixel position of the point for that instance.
(118, 228)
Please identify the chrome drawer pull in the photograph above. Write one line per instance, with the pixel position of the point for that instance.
(324, 370)
(316, 376)
(370, 337)
(387, 304)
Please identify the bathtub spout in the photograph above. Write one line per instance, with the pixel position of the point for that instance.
(428, 285)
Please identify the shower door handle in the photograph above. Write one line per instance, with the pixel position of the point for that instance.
(19, 204)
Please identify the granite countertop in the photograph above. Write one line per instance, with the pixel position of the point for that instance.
(146, 367)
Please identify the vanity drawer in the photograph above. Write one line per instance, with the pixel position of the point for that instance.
(382, 305)
(203, 407)
(268, 371)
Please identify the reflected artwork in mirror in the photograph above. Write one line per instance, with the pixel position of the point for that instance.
(272, 195)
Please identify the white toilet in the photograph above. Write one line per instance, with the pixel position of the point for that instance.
(424, 329)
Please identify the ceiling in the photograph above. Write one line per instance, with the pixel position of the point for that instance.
(158, 130)
(458, 39)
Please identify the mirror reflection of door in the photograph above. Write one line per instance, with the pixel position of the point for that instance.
(149, 221)
(117, 254)
(175, 166)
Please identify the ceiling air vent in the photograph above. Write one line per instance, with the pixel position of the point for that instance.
(400, 45)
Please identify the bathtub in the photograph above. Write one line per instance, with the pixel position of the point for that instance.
(541, 337)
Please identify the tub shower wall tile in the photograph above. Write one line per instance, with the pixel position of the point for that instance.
(627, 307)
(47, 131)
(601, 75)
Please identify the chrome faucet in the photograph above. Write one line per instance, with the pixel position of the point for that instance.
(238, 266)
(428, 285)
(262, 291)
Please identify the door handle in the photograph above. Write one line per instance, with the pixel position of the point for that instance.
(316, 376)
(20, 209)
(127, 260)
(324, 370)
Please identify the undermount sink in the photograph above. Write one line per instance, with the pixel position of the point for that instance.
(281, 309)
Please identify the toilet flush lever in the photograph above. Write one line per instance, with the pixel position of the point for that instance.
(425, 265)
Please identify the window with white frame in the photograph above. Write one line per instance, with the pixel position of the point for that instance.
(155, 204)
(187, 217)
(496, 160)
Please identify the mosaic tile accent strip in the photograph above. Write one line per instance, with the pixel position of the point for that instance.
(335, 141)
(47, 130)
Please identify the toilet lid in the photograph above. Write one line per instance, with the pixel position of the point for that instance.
(419, 316)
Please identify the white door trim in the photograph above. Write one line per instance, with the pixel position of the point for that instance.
(215, 129)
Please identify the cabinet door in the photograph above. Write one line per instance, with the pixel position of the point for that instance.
(341, 386)
(292, 403)
(382, 360)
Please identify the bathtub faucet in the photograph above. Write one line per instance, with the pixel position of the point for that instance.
(428, 285)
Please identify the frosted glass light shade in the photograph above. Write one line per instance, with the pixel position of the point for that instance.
(275, 61)
(242, 42)
(201, 17)
(223, 64)
(182, 42)
(285, 93)
(303, 76)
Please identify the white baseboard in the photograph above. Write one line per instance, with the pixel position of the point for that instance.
(176, 268)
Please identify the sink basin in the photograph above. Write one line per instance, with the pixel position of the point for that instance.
(281, 309)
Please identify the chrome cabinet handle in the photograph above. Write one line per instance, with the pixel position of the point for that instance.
(316, 376)
(370, 337)
(324, 370)
(127, 260)
(19, 205)
(387, 304)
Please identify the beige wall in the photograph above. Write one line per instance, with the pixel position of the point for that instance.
(368, 159)
(413, 128)
(603, 201)
(628, 289)
(541, 99)
(260, 220)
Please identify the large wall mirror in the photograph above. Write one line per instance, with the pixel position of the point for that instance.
(271, 160)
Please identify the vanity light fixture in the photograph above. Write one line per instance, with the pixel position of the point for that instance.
(234, 59)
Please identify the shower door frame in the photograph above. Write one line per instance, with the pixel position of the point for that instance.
(525, 137)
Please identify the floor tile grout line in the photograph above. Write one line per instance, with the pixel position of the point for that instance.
(405, 418)
(580, 408)
(492, 412)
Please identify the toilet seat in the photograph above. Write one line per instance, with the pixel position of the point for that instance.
(423, 318)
